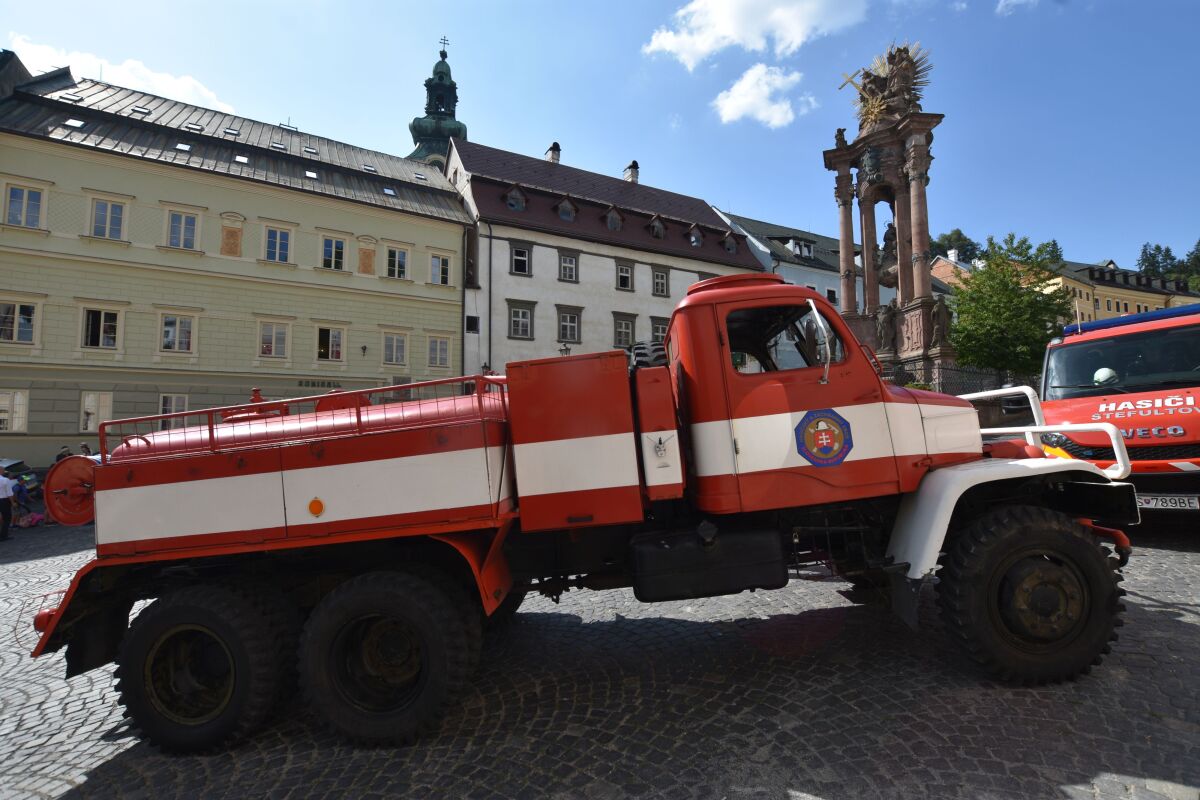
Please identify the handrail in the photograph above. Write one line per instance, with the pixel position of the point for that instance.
(1012, 391)
(1120, 468)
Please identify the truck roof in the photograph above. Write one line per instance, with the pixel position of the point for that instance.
(1146, 321)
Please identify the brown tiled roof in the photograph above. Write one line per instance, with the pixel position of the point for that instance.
(538, 173)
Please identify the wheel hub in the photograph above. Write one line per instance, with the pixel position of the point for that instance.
(189, 675)
(1046, 600)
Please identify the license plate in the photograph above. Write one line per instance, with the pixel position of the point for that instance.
(1176, 502)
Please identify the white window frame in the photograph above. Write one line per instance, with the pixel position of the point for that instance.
(169, 404)
(391, 262)
(625, 270)
(527, 258)
(563, 259)
(102, 310)
(518, 316)
(107, 233)
(341, 344)
(89, 421)
(23, 217)
(183, 215)
(440, 269)
(278, 229)
(14, 411)
(336, 248)
(655, 274)
(618, 321)
(192, 328)
(276, 327)
(438, 352)
(396, 336)
(657, 323)
(17, 303)
(564, 323)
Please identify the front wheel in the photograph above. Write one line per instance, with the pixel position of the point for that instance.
(383, 654)
(1030, 595)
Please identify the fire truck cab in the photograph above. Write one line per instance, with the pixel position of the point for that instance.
(365, 540)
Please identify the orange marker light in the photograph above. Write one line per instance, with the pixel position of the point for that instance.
(316, 507)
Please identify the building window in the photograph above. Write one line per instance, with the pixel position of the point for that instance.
(279, 242)
(658, 329)
(1126, 308)
(520, 319)
(569, 327)
(613, 220)
(625, 277)
(100, 328)
(730, 244)
(14, 410)
(662, 283)
(24, 207)
(695, 237)
(395, 348)
(1108, 304)
(108, 219)
(181, 230)
(17, 322)
(566, 211)
(831, 295)
(623, 329)
(520, 262)
(94, 408)
(515, 200)
(439, 351)
(657, 229)
(177, 333)
(172, 404)
(333, 253)
(1096, 304)
(568, 268)
(472, 324)
(397, 262)
(272, 339)
(329, 344)
(439, 270)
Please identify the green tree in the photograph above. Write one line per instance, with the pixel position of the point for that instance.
(968, 249)
(1009, 308)
(1158, 261)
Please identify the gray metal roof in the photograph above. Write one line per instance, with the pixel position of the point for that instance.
(774, 237)
(115, 122)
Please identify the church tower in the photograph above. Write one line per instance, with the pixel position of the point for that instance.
(431, 133)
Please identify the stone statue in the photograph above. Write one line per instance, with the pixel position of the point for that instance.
(891, 86)
(902, 95)
(839, 138)
(941, 323)
(885, 326)
(888, 258)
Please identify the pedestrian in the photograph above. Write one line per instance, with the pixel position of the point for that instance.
(6, 493)
(85, 448)
(62, 453)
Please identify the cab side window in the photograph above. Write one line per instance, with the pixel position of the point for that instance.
(774, 338)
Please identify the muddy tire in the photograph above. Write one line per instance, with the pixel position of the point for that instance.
(198, 669)
(382, 655)
(1030, 595)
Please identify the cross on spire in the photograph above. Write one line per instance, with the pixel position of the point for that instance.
(444, 41)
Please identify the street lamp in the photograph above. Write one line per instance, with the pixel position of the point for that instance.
(565, 350)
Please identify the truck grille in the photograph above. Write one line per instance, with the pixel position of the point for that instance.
(1161, 452)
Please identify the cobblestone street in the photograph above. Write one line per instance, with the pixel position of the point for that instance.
(789, 694)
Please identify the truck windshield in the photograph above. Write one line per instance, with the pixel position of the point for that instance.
(766, 339)
(1134, 362)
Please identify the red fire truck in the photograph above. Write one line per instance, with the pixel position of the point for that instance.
(359, 542)
(1140, 372)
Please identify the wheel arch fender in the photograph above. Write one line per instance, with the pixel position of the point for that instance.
(484, 555)
(924, 517)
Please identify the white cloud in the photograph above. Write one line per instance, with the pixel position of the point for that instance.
(1006, 7)
(959, 5)
(39, 58)
(704, 27)
(758, 94)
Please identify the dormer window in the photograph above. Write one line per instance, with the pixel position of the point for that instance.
(515, 200)
(566, 211)
(695, 237)
(657, 229)
(613, 220)
(801, 248)
(730, 245)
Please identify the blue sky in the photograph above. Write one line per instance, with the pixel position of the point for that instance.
(1069, 120)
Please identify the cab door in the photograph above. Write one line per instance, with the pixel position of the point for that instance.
(805, 406)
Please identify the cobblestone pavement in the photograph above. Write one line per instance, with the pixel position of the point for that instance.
(788, 694)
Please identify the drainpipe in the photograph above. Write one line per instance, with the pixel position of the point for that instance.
(462, 316)
(491, 258)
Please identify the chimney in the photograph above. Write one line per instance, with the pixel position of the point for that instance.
(631, 172)
(552, 155)
(952, 255)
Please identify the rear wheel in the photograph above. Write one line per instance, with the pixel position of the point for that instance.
(197, 669)
(383, 654)
(1030, 595)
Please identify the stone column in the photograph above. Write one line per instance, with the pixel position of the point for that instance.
(870, 276)
(844, 192)
(917, 167)
(902, 219)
